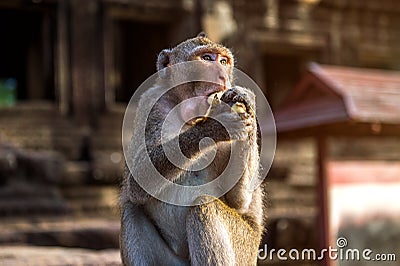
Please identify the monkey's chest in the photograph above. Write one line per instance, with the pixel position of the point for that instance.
(170, 221)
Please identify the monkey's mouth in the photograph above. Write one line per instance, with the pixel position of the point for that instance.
(199, 109)
(210, 101)
(217, 88)
(207, 89)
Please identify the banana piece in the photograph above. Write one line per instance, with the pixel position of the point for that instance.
(214, 98)
(239, 108)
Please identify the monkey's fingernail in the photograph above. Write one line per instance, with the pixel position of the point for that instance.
(239, 108)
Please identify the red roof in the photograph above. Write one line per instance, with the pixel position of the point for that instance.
(336, 94)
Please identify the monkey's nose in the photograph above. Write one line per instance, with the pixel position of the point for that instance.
(223, 80)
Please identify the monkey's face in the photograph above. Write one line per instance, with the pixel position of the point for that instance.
(214, 62)
(215, 66)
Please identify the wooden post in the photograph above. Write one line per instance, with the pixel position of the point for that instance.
(108, 51)
(86, 61)
(323, 198)
(63, 84)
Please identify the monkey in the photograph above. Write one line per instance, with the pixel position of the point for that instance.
(222, 230)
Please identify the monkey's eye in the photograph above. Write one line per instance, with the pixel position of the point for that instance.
(207, 57)
(223, 61)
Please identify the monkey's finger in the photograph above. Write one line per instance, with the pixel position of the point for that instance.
(241, 98)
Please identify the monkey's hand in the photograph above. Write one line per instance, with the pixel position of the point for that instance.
(239, 95)
(236, 113)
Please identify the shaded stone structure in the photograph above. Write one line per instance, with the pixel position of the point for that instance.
(75, 65)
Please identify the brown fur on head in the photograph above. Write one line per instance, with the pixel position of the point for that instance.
(189, 49)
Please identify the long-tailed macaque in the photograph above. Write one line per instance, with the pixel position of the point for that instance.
(213, 231)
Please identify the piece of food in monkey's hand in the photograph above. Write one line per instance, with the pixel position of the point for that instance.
(237, 103)
(239, 108)
(214, 98)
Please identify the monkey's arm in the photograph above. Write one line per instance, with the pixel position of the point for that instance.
(186, 143)
(144, 158)
(141, 243)
(247, 161)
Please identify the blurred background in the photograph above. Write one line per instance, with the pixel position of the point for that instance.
(68, 68)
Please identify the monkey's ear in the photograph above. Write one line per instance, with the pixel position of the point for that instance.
(202, 34)
(163, 59)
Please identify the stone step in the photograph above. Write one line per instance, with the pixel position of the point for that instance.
(103, 170)
(24, 199)
(47, 200)
(96, 200)
(66, 231)
(57, 256)
(23, 189)
(90, 192)
(32, 206)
